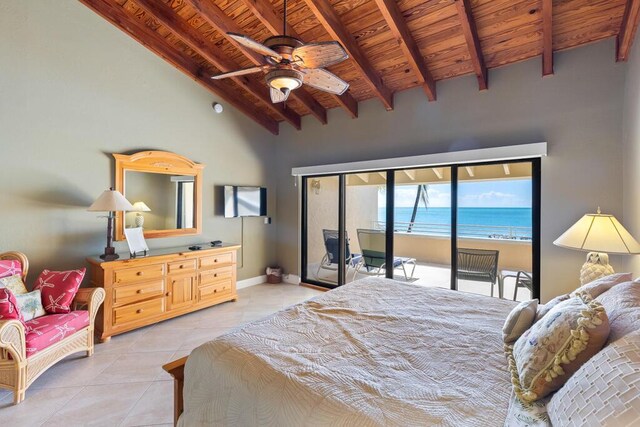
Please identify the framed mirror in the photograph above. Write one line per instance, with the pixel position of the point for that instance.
(165, 189)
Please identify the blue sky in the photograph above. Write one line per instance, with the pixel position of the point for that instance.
(514, 193)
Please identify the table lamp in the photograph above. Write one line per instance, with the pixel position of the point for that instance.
(138, 208)
(110, 201)
(598, 234)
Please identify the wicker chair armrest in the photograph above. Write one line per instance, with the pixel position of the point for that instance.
(12, 340)
(91, 299)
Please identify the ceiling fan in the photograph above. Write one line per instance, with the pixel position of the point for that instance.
(290, 63)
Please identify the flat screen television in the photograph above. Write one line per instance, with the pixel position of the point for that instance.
(244, 201)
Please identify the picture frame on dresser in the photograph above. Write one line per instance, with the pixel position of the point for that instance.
(165, 284)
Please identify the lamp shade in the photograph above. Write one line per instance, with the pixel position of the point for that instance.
(599, 233)
(140, 207)
(109, 201)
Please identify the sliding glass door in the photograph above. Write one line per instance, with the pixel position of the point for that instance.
(474, 228)
(495, 230)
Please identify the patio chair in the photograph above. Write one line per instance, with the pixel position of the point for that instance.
(373, 247)
(332, 248)
(523, 280)
(479, 265)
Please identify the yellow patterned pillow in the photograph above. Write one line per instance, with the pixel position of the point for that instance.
(547, 354)
(14, 284)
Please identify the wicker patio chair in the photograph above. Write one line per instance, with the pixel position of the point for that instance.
(479, 265)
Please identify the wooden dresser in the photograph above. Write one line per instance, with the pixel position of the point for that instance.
(164, 284)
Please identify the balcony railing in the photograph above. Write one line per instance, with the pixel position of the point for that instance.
(501, 232)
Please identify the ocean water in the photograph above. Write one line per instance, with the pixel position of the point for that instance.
(512, 223)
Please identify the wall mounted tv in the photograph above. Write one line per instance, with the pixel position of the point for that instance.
(244, 201)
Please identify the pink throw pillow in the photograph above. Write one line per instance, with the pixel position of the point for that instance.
(58, 289)
(9, 307)
(10, 267)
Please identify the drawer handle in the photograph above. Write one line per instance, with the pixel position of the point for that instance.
(140, 310)
(140, 273)
(168, 294)
(215, 274)
(139, 291)
(181, 266)
(215, 290)
(215, 260)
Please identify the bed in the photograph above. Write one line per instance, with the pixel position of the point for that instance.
(373, 352)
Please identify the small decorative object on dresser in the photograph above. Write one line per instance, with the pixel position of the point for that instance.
(598, 233)
(165, 284)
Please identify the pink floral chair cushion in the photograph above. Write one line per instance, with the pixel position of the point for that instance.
(48, 330)
(10, 267)
(58, 289)
(9, 306)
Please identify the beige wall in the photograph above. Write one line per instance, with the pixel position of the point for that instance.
(578, 111)
(631, 136)
(73, 90)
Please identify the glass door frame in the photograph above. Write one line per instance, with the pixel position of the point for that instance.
(536, 189)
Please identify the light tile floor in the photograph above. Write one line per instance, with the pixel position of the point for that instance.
(123, 383)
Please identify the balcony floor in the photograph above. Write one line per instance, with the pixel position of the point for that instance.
(427, 274)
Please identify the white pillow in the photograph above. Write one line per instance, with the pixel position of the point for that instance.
(519, 320)
(605, 391)
(30, 305)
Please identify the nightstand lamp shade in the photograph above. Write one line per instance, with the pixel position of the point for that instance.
(598, 234)
(110, 201)
(140, 207)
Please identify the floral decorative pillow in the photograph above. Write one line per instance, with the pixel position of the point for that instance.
(14, 284)
(59, 288)
(30, 305)
(10, 267)
(547, 354)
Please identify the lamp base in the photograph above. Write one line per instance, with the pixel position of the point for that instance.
(596, 266)
(109, 254)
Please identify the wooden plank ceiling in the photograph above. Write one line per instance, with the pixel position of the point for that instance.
(393, 44)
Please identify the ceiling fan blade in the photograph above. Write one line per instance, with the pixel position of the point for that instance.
(236, 73)
(324, 80)
(254, 45)
(278, 96)
(319, 55)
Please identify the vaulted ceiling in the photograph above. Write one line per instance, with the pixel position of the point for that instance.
(393, 45)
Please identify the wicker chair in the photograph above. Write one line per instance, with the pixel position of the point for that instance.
(479, 265)
(17, 371)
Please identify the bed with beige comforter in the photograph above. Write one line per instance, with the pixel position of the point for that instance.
(373, 352)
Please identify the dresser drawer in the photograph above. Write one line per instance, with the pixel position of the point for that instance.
(214, 291)
(135, 274)
(182, 266)
(138, 292)
(138, 311)
(215, 260)
(208, 277)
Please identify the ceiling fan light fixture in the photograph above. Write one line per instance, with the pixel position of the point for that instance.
(285, 79)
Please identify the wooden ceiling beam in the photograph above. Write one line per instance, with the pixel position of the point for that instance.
(194, 40)
(473, 42)
(438, 172)
(149, 38)
(215, 17)
(264, 11)
(398, 26)
(547, 37)
(331, 22)
(628, 29)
